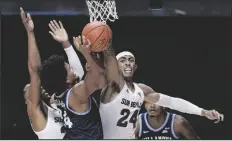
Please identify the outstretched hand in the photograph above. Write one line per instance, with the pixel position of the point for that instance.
(84, 47)
(214, 115)
(27, 21)
(57, 31)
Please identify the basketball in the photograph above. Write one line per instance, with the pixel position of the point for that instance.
(99, 35)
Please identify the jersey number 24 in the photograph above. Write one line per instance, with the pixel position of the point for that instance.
(123, 121)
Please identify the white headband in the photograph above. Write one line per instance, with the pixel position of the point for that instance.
(124, 53)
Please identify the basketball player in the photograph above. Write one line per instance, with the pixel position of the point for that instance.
(84, 121)
(156, 124)
(85, 108)
(121, 99)
(41, 116)
(53, 117)
(81, 113)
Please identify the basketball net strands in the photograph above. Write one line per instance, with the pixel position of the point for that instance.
(102, 10)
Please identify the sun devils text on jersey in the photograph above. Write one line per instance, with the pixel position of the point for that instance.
(165, 132)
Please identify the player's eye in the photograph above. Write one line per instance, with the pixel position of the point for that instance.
(122, 61)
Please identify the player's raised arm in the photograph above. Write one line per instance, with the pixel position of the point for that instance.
(34, 64)
(178, 104)
(94, 71)
(183, 128)
(113, 73)
(59, 34)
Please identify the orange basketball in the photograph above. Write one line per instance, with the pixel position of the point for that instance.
(99, 35)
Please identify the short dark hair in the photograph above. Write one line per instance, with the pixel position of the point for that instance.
(53, 75)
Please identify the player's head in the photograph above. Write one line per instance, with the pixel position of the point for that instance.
(153, 109)
(55, 75)
(26, 93)
(126, 62)
(44, 95)
(72, 78)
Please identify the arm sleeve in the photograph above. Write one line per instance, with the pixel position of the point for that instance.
(178, 104)
(74, 62)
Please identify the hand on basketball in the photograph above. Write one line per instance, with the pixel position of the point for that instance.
(27, 21)
(57, 31)
(214, 115)
(84, 46)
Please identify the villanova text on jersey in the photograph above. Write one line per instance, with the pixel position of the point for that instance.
(164, 132)
(83, 126)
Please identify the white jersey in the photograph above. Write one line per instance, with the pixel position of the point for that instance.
(53, 127)
(120, 115)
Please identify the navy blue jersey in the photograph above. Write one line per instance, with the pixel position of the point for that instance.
(83, 126)
(164, 132)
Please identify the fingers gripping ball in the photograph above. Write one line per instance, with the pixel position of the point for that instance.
(99, 34)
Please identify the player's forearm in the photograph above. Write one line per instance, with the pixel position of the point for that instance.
(92, 63)
(178, 104)
(73, 59)
(34, 64)
(34, 60)
(111, 64)
(109, 57)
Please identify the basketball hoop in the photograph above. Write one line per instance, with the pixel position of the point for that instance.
(102, 10)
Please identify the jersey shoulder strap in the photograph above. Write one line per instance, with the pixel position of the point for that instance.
(141, 124)
(172, 119)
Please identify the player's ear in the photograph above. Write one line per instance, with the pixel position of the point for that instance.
(135, 67)
(87, 67)
(67, 66)
(146, 105)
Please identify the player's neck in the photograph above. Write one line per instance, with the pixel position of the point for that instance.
(156, 121)
(130, 85)
(128, 79)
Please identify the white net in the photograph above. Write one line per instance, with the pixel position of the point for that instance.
(102, 10)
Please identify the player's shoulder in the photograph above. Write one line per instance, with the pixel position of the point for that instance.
(80, 83)
(145, 88)
(179, 120)
(78, 86)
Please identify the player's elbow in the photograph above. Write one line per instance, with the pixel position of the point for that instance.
(32, 105)
(152, 97)
(33, 66)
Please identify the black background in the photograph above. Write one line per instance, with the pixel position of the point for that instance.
(181, 57)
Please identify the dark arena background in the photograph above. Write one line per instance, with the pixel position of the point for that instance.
(178, 55)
